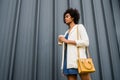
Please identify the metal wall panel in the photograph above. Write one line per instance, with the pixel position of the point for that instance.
(29, 31)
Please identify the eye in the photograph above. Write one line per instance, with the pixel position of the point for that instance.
(67, 16)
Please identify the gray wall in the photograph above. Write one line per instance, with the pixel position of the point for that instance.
(29, 31)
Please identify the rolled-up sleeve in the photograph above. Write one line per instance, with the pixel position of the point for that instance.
(83, 37)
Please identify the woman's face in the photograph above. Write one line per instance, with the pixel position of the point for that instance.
(68, 18)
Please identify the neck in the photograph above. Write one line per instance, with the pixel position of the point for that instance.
(71, 25)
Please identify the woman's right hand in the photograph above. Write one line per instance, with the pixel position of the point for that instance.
(60, 38)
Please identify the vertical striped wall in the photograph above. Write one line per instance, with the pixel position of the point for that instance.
(29, 31)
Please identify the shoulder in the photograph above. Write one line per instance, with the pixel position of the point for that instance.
(81, 26)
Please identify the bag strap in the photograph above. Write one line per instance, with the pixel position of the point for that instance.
(86, 48)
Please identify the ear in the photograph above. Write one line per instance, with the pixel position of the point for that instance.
(72, 18)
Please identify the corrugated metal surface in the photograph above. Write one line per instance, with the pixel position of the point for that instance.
(29, 31)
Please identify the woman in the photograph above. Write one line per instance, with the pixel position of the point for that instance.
(70, 43)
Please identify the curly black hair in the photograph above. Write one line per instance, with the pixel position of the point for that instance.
(73, 13)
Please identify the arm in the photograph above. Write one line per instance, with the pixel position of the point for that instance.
(83, 37)
(62, 39)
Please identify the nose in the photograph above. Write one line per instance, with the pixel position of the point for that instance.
(65, 19)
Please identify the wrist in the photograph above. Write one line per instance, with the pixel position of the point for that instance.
(66, 41)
